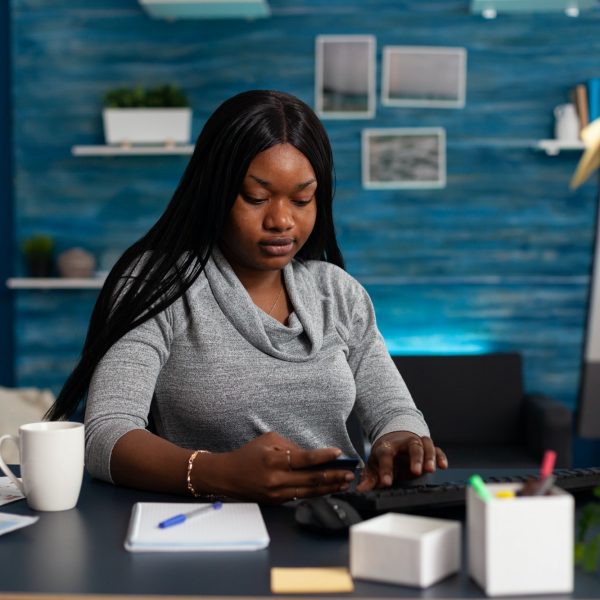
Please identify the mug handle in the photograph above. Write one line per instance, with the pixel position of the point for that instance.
(4, 466)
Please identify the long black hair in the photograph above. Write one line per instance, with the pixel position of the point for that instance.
(159, 268)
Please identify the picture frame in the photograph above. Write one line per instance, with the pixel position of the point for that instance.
(404, 158)
(425, 76)
(345, 83)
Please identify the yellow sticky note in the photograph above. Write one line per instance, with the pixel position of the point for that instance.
(310, 580)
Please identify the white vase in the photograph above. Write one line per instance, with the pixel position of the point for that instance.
(566, 124)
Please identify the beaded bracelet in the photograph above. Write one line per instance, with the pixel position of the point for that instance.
(190, 464)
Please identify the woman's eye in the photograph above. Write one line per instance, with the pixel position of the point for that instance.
(302, 201)
(253, 199)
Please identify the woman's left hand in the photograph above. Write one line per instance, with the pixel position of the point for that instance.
(396, 450)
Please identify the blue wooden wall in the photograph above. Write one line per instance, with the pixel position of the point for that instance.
(6, 207)
(498, 260)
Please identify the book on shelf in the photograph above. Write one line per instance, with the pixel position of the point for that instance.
(593, 89)
(580, 99)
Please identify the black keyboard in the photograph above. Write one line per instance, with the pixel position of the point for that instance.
(421, 496)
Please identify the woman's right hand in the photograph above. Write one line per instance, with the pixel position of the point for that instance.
(269, 469)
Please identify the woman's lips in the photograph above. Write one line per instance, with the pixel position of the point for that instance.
(278, 246)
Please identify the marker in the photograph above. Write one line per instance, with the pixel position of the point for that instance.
(181, 518)
(479, 487)
(505, 494)
(548, 463)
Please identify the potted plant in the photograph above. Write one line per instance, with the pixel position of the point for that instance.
(159, 115)
(587, 542)
(38, 251)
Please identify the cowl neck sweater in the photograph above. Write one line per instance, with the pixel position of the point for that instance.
(298, 341)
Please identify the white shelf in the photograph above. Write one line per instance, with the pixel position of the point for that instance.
(105, 150)
(554, 147)
(58, 283)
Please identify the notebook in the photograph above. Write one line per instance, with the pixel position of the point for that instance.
(235, 526)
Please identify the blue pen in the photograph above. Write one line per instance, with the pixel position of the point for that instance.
(181, 518)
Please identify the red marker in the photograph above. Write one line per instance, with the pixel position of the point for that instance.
(548, 464)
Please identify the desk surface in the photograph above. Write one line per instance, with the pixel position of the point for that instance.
(80, 551)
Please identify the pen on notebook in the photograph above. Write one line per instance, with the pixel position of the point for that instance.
(182, 517)
(480, 488)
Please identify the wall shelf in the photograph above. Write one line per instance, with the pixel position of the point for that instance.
(554, 147)
(550, 147)
(105, 150)
(56, 283)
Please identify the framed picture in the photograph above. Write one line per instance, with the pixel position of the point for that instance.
(345, 76)
(424, 76)
(404, 158)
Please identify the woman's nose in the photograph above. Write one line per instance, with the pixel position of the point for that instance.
(279, 216)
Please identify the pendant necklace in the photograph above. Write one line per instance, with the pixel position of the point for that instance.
(276, 301)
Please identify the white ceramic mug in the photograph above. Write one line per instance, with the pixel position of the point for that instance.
(51, 463)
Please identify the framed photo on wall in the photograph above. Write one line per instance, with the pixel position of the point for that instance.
(396, 158)
(424, 76)
(345, 76)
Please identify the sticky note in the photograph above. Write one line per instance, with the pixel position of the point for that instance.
(311, 580)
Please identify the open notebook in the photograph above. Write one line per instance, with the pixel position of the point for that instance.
(235, 526)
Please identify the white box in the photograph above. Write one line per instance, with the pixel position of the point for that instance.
(521, 545)
(405, 549)
(147, 125)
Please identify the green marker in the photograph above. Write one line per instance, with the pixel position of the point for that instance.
(479, 487)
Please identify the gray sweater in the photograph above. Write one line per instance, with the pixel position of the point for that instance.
(226, 373)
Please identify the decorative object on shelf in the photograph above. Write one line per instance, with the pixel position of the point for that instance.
(206, 9)
(593, 88)
(579, 96)
(587, 544)
(76, 262)
(159, 115)
(38, 251)
(590, 160)
(566, 123)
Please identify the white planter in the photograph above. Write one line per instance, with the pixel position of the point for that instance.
(147, 125)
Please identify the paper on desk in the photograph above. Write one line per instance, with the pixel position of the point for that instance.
(311, 580)
(9, 492)
(235, 526)
(10, 522)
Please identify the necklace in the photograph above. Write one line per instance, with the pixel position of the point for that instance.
(276, 301)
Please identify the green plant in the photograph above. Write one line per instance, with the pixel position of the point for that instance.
(38, 246)
(587, 542)
(162, 96)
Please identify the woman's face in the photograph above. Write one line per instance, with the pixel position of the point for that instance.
(274, 212)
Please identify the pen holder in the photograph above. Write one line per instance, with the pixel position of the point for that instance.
(521, 545)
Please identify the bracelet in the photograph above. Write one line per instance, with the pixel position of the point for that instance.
(190, 464)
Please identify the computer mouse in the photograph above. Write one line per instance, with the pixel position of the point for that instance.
(326, 515)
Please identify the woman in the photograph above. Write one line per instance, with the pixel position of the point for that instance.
(232, 325)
